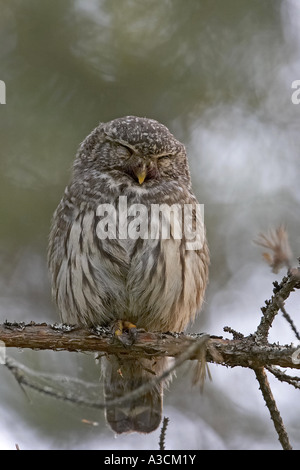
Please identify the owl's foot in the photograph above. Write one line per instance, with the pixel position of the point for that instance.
(125, 331)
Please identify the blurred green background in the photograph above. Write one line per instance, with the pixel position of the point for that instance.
(218, 73)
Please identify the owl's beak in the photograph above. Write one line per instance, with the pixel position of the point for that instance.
(141, 173)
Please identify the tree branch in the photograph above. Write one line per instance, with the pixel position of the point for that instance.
(241, 351)
(271, 404)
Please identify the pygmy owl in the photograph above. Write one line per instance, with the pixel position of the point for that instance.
(111, 258)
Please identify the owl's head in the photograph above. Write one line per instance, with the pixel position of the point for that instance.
(138, 150)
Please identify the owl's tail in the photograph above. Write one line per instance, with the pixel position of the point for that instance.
(141, 414)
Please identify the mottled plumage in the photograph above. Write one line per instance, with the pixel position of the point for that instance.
(155, 283)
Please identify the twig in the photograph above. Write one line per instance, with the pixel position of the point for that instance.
(281, 293)
(288, 318)
(235, 334)
(162, 436)
(282, 377)
(271, 404)
(31, 379)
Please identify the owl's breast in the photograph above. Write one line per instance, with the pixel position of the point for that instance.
(127, 261)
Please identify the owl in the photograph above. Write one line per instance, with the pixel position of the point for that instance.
(119, 255)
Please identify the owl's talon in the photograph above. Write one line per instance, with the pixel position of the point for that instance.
(125, 332)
